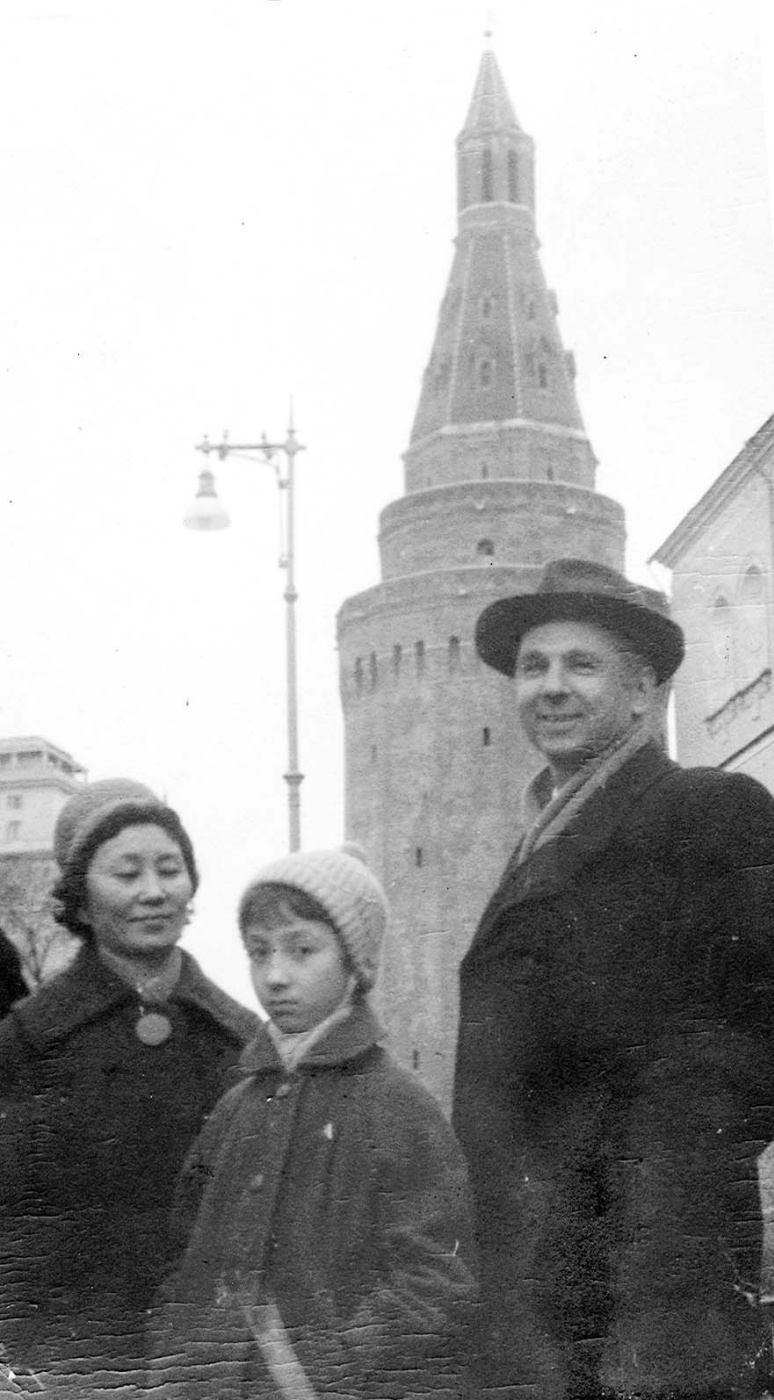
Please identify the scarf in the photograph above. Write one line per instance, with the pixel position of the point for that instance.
(546, 812)
(291, 1046)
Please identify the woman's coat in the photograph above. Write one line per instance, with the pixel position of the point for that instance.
(94, 1127)
(615, 1085)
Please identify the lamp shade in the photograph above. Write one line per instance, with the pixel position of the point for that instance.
(205, 511)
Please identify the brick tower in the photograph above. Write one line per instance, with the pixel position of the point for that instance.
(499, 477)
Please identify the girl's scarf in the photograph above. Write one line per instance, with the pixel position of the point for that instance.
(291, 1046)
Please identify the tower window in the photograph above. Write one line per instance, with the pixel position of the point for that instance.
(486, 308)
(359, 674)
(419, 654)
(485, 547)
(487, 181)
(484, 472)
(531, 309)
(486, 736)
(415, 1059)
(373, 753)
(542, 376)
(549, 473)
(513, 177)
(13, 831)
(485, 374)
(373, 670)
(397, 654)
(454, 653)
(418, 856)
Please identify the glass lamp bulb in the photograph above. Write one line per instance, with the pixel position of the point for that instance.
(205, 511)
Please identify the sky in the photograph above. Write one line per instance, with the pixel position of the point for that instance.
(210, 209)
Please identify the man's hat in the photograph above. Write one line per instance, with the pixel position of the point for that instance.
(580, 590)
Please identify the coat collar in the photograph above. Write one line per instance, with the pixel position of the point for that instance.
(88, 989)
(348, 1040)
(551, 866)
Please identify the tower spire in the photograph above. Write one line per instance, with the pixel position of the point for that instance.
(498, 372)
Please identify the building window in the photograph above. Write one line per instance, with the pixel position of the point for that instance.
(486, 736)
(485, 547)
(13, 831)
(542, 376)
(373, 670)
(530, 308)
(750, 630)
(397, 656)
(415, 1059)
(373, 753)
(486, 308)
(418, 856)
(513, 177)
(454, 653)
(359, 674)
(14, 801)
(484, 472)
(419, 654)
(549, 473)
(486, 374)
(487, 181)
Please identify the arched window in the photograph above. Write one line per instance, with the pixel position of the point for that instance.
(485, 547)
(721, 682)
(487, 177)
(750, 632)
(513, 177)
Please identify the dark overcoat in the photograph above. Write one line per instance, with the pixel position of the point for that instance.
(615, 1085)
(94, 1128)
(340, 1192)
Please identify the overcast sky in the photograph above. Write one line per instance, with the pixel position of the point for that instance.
(210, 207)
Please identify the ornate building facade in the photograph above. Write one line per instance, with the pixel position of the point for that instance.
(499, 478)
(721, 557)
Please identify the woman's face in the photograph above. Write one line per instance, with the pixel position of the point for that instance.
(137, 892)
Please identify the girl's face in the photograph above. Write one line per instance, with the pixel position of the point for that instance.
(137, 892)
(299, 971)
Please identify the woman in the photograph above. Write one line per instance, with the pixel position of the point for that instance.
(106, 1077)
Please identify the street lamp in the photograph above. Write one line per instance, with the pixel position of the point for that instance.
(207, 513)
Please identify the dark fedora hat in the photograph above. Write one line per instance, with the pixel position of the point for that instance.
(580, 590)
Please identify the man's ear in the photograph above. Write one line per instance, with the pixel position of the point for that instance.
(644, 690)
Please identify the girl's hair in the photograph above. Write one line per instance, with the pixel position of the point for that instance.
(69, 892)
(274, 905)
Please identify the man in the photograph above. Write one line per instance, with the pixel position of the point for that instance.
(615, 1074)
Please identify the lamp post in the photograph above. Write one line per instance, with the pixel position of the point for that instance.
(207, 513)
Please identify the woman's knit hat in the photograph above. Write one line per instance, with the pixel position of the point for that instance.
(89, 808)
(341, 883)
(94, 814)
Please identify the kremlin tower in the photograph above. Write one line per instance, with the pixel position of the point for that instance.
(499, 478)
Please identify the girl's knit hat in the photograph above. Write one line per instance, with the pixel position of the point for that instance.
(340, 881)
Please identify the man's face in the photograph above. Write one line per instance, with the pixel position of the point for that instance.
(578, 691)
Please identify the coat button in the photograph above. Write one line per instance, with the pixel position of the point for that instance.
(283, 1091)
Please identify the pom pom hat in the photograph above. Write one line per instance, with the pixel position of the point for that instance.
(341, 883)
